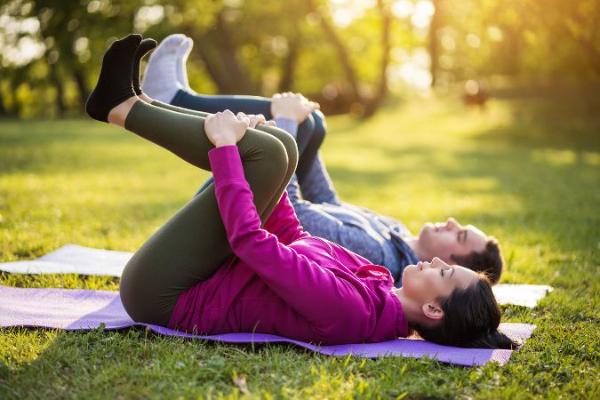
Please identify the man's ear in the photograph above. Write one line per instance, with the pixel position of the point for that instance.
(433, 311)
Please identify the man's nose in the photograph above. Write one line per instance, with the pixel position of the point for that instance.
(452, 223)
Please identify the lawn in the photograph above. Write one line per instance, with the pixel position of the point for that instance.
(525, 169)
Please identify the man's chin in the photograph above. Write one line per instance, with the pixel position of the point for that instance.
(426, 230)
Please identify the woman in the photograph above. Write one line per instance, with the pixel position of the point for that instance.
(212, 268)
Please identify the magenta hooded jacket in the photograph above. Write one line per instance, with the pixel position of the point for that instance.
(284, 281)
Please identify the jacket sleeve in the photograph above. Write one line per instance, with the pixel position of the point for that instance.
(311, 290)
(284, 223)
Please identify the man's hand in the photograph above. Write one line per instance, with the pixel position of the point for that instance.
(292, 106)
(256, 119)
(225, 128)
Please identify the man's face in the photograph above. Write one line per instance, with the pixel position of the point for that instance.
(444, 239)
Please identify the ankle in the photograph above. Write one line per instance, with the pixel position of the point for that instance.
(118, 114)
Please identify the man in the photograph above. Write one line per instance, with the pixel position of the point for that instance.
(382, 240)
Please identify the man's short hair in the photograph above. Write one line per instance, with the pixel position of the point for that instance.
(489, 261)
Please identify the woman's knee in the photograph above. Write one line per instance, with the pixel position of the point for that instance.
(290, 145)
(131, 296)
(134, 287)
(288, 142)
(267, 153)
(278, 156)
(142, 300)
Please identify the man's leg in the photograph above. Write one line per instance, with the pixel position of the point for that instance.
(165, 79)
(317, 186)
(311, 149)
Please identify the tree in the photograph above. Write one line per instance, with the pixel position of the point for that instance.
(369, 103)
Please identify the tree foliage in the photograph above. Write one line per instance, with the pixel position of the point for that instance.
(51, 49)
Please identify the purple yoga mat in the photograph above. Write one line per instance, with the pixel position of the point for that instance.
(87, 309)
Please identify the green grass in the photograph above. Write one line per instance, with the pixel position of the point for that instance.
(524, 170)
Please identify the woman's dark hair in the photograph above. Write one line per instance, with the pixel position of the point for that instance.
(471, 319)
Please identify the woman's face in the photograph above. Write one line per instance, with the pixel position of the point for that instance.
(425, 282)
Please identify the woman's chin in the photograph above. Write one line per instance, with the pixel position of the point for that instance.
(406, 273)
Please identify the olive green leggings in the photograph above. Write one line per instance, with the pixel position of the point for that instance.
(192, 245)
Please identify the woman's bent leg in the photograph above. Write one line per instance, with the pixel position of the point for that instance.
(283, 136)
(184, 100)
(192, 245)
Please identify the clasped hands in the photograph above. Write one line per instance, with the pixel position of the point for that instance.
(226, 128)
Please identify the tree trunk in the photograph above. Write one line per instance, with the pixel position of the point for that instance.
(61, 107)
(593, 54)
(205, 51)
(289, 65)
(213, 67)
(84, 92)
(235, 70)
(219, 55)
(2, 108)
(434, 44)
(340, 48)
(382, 85)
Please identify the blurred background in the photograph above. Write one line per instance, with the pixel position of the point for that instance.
(350, 55)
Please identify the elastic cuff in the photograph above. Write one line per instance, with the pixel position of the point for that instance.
(226, 164)
(288, 125)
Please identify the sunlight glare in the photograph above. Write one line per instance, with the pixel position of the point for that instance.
(346, 11)
(413, 69)
(148, 16)
(403, 8)
(421, 17)
(17, 49)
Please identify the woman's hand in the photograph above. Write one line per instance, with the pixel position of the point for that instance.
(292, 106)
(225, 128)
